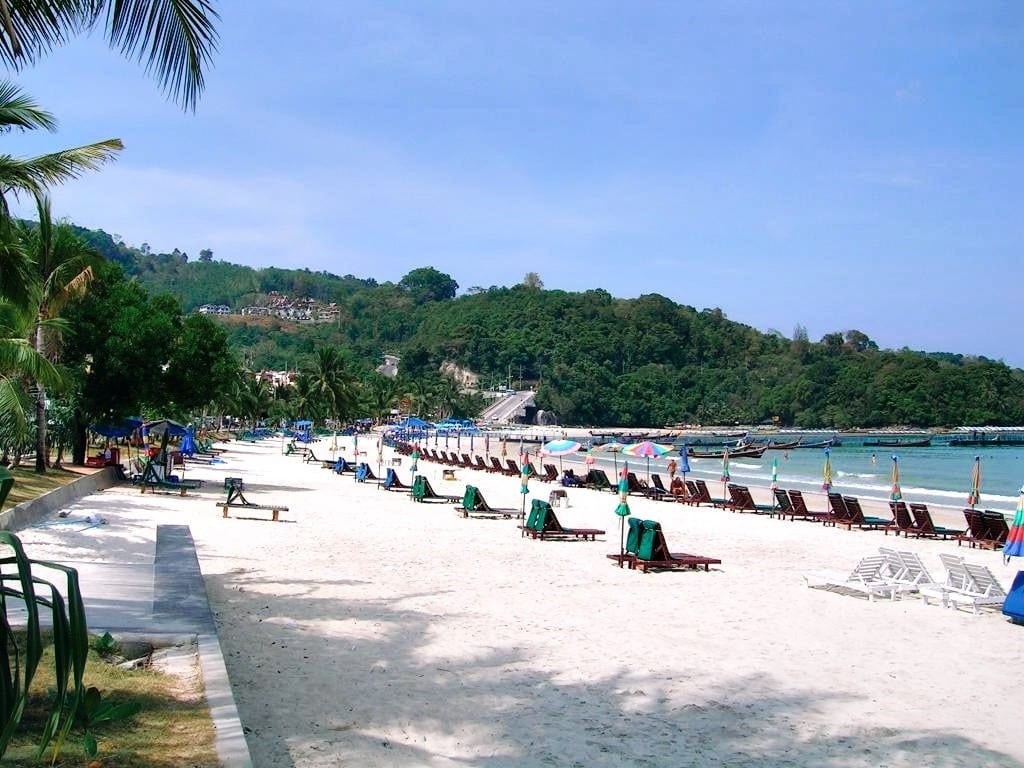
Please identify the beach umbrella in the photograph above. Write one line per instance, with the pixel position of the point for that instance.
(622, 510)
(1014, 546)
(334, 444)
(775, 479)
(684, 461)
(974, 497)
(380, 454)
(613, 448)
(559, 448)
(188, 442)
(896, 494)
(647, 450)
(725, 472)
(524, 479)
(826, 484)
(487, 446)
(472, 443)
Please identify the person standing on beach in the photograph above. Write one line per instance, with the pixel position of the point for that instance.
(672, 467)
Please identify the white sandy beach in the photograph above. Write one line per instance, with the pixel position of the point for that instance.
(367, 630)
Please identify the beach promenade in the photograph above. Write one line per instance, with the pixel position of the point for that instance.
(365, 629)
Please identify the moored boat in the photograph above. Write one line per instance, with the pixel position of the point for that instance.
(737, 453)
(922, 443)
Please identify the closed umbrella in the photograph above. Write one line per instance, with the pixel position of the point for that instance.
(684, 461)
(725, 473)
(775, 480)
(647, 450)
(622, 510)
(487, 447)
(826, 484)
(974, 497)
(896, 494)
(524, 488)
(414, 461)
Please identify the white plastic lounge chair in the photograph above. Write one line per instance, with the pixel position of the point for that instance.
(871, 576)
(906, 571)
(966, 583)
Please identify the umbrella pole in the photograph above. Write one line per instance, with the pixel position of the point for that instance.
(622, 540)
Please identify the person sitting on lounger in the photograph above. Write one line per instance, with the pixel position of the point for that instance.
(677, 488)
(569, 479)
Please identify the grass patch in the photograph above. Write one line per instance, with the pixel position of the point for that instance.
(173, 729)
(30, 485)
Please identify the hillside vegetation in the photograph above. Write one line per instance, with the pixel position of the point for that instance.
(594, 358)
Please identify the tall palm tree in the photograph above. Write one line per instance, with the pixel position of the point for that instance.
(19, 362)
(175, 38)
(331, 383)
(62, 270)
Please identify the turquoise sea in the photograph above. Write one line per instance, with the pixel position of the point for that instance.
(937, 475)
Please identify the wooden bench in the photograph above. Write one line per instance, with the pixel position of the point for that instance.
(274, 509)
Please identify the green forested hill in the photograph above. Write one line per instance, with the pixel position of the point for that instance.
(596, 359)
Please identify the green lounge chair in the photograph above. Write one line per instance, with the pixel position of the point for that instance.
(475, 505)
(544, 524)
(422, 491)
(653, 552)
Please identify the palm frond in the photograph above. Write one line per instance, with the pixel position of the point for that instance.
(33, 27)
(34, 174)
(175, 38)
(18, 110)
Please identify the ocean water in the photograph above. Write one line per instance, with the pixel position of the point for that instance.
(938, 475)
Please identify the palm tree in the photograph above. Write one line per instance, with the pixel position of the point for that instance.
(62, 270)
(19, 361)
(175, 38)
(331, 383)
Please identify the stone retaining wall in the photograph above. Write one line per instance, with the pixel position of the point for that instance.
(29, 512)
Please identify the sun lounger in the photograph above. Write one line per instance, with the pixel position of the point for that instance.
(966, 584)
(542, 523)
(924, 527)
(740, 500)
(635, 486)
(796, 499)
(365, 474)
(421, 491)
(986, 530)
(902, 522)
(236, 500)
(393, 483)
(857, 517)
(658, 489)
(512, 468)
(598, 480)
(653, 552)
(479, 464)
(152, 481)
(550, 473)
(474, 504)
(906, 571)
(707, 498)
(496, 465)
(869, 577)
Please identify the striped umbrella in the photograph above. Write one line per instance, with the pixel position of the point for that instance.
(559, 448)
(524, 479)
(1014, 546)
(613, 448)
(826, 484)
(974, 497)
(414, 459)
(896, 494)
(647, 450)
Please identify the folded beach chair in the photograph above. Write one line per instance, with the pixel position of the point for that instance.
(869, 577)
(924, 527)
(393, 483)
(966, 584)
(857, 517)
(543, 524)
(653, 552)
(474, 504)
(421, 491)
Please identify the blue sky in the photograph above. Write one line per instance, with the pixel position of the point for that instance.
(835, 165)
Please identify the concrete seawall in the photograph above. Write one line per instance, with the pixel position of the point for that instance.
(29, 512)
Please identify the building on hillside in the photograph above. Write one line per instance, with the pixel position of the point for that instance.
(277, 378)
(214, 309)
